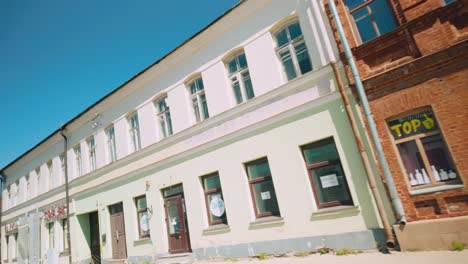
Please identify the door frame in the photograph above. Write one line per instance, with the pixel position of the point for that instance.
(125, 233)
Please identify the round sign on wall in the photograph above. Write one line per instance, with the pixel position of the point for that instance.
(144, 223)
(217, 206)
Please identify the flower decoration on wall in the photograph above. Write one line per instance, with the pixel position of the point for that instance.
(55, 212)
(11, 228)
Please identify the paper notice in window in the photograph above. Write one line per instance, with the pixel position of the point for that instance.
(329, 181)
(265, 195)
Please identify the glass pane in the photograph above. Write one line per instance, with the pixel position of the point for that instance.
(248, 85)
(216, 207)
(200, 84)
(439, 158)
(162, 123)
(295, 30)
(364, 25)
(204, 106)
(413, 163)
(289, 69)
(141, 203)
(330, 185)
(196, 110)
(381, 13)
(242, 61)
(173, 190)
(351, 4)
(258, 169)
(211, 182)
(169, 122)
(144, 223)
(173, 217)
(237, 92)
(265, 197)
(282, 38)
(232, 66)
(321, 151)
(303, 58)
(193, 88)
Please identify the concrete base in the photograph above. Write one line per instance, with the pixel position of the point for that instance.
(432, 234)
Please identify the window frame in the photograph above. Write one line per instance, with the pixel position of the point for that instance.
(197, 96)
(209, 192)
(134, 132)
(91, 154)
(422, 152)
(163, 115)
(62, 168)
(64, 223)
(240, 77)
(290, 47)
(78, 160)
(51, 234)
(140, 211)
(111, 144)
(258, 180)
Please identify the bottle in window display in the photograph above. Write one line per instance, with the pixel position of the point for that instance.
(419, 177)
(426, 178)
(452, 175)
(435, 173)
(443, 175)
(413, 180)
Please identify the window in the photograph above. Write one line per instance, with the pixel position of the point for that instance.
(16, 246)
(7, 255)
(214, 199)
(447, 2)
(50, 173)
(92, 154)
(292, 50)
(111, 148)
(143, 218)
(373, 18)
(164, 117)
(38, 180)
(423, 153)
(65, 233)
(197, 94)
(240, 78)
(78, 161)
(62, 168)
(326, 174)
(134, 132)
(50, 228)
(262, 188)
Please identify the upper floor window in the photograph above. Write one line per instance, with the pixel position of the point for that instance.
(373, 18)
(164, 117)
(134, 132)
(197, 94)
(424, 155)
(78, 161)
(62, 168)
(50, 172)
(111, 147)
(38, 180)
(240, 78)
(292, 50)
(92, 154)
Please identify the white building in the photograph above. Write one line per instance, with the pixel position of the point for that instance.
(235, 143)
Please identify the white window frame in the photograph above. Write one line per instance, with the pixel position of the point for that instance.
(51, 234)
(50, 170)
(290, 47)
(62, 168)
(111, 146)
(134, 132)
(91, 153)
(38, 180)
(196, 99)
(163, 116)
(240, 76)
(78, 161)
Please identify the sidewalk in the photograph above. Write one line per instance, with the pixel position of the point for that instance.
(395, 257)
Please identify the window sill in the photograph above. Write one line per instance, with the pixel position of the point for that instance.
(64, 252)
(334, 212)
(265, 222)
(436, 189)
(143, 240)
(216, 229)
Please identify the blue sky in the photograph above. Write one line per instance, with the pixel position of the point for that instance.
(57, 57)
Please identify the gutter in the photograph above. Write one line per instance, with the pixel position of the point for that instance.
(67, 193)
(398, 206)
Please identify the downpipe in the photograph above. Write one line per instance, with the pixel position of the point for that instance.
(67, 193)
(369, 117)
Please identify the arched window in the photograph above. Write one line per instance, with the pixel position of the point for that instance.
(164, 116)
(240, 77)
(197, 95)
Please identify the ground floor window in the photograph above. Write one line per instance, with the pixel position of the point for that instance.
(262, 188)
(65, 234)
(143, 220)
(326, 174)
(422, 151)
(50, 228)
(214, 199)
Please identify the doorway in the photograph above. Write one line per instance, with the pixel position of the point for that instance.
(176, 219)
(95, 244)
(117, 224)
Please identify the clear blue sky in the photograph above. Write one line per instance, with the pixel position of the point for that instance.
(57, 57)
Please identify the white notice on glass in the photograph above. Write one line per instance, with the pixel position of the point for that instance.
(329, 181)
(265, 195)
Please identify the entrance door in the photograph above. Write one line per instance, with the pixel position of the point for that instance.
(119, 247)
(95, 245)
(176, 224)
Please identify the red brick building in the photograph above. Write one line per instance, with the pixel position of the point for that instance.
(412, 56)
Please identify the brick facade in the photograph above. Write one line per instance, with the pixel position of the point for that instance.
(423, 62)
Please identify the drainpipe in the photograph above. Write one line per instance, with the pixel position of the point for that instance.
(2, 180)
(67, 194)
(369, 117)
(365, 160)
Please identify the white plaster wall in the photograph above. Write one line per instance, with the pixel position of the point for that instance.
(147, 120)
(217, 89)
(101, 142)
(180, 107)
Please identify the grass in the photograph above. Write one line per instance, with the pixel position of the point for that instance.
(345, 252)
(458, 246)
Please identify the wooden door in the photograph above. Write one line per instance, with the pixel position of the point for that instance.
(119, 247)
(176, 224)
(95, 246)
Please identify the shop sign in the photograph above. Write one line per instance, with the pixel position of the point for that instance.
(217, 206)
(11, 228)
(411, 125)
(55, 212)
